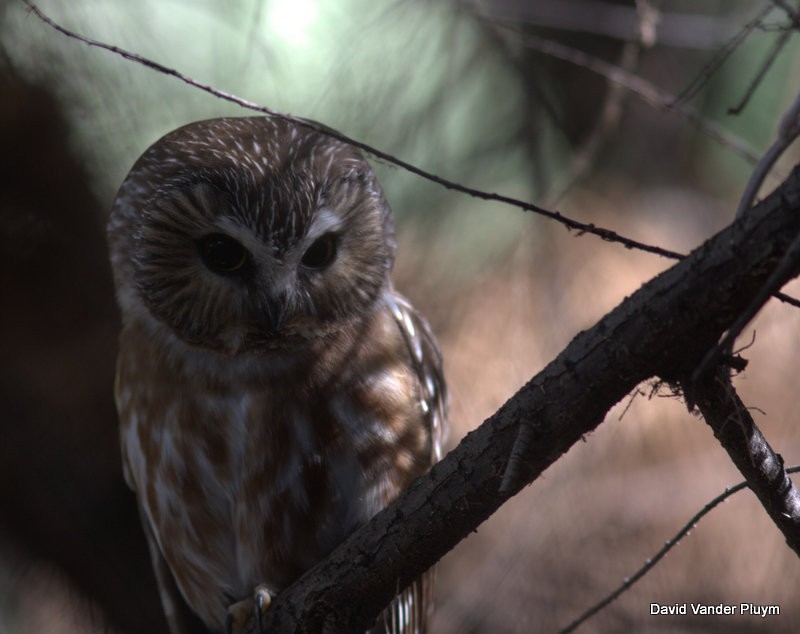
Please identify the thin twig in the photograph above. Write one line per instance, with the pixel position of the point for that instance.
(751, 89)
(645, 90)
(721, 405)
(788, 131)
(720, 58)
(608, 120)
(569, 223)
(791, 12)
(642, 88)
(787, 299)
(662, 552)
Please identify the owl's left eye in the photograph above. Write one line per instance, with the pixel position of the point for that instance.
(321, 252)
(222, 254)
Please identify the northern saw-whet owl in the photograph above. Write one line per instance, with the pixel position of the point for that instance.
(274, 390)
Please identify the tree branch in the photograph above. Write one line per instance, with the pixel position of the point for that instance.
(761, 467)
(663, 329)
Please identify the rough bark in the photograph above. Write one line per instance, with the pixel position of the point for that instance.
(762, 468)
(662, 330)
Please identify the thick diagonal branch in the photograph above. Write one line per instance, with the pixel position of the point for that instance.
(664, 329)
(761, 467)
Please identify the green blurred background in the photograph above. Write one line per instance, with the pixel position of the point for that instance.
(463, 90)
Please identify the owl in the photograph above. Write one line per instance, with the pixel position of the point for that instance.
(274, 391)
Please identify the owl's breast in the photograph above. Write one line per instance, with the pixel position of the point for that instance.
(253, 482)
(302, 487)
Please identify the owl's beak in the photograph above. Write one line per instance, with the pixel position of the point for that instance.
(274, 314)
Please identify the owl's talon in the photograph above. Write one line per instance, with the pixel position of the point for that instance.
(241, 611)
(263, 599)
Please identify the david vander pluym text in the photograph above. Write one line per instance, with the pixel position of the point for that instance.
(715, 609)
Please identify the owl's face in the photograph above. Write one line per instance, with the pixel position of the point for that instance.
(250, 235)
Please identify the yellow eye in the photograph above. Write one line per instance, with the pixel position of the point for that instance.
(321, 252)
(222, 254)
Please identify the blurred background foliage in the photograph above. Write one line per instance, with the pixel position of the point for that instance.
(464, 89)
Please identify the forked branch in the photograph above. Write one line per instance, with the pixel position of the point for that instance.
(663, 330)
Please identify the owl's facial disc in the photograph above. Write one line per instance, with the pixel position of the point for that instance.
(259, 253)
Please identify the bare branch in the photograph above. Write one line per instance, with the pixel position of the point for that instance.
(663, 329)
(611, 19)
(721, 57)
(569, 223)
(790, 11)
(761, 467)
(788, 299)
(662, 552)
(609, 117)
(773, 54)
(788, 131)
(645, 90)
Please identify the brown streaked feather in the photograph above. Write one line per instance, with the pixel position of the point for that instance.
(180, 618)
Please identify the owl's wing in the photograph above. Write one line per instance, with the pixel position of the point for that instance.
(408, 612)
(180, 618)
(427, 362)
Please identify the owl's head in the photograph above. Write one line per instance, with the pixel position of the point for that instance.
(250, 234)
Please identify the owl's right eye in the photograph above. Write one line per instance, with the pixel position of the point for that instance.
(222, 254)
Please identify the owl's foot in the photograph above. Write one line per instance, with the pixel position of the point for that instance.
(240, 612)
(237, 616)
